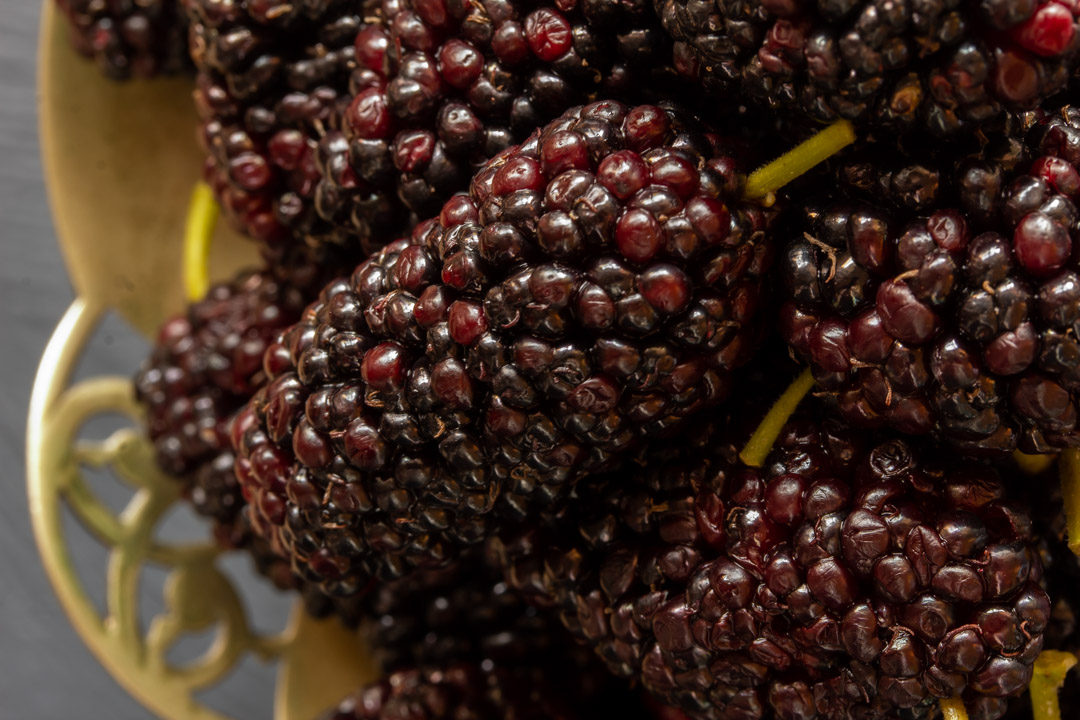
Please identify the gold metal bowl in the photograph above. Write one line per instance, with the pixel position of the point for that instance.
(120, 161)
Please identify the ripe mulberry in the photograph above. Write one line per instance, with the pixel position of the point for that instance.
(273, 79)
(206, 363)
(443, 86)
(851, 577)
(931, 326)
(129, 39)
(597, 286)
(941, 65)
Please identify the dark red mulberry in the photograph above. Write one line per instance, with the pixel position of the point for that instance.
(443, 86)
(129, 39)
(850, 577)
(273, 80)
(206, 363)
(941, 65)
(953, 323)
(475, 366)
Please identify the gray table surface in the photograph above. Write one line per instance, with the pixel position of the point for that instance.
(45, 670)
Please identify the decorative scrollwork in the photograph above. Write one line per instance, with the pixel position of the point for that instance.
(198, 596)
(118, 174)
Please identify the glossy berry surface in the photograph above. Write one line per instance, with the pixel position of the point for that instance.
(441, 86)
(459, 613)
(129, 39)
(205, 364)
(273, 80)
(539, 328)
(847, 578)
(425, 628)
(956, 323)
(466, 691)
(939, 65)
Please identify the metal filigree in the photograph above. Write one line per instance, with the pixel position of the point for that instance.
(119, 163)
(198, 595)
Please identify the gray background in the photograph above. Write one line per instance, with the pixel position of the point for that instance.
(45, 671)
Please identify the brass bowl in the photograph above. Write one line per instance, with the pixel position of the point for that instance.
(120, 161)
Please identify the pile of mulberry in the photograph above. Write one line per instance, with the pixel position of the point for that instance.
(496, 397)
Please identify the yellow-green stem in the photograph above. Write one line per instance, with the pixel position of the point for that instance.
(1033, 464)
(768, 179)
(198, 230)
(1069, 468)
(761, 442)
(1051, 667)
(953, 709)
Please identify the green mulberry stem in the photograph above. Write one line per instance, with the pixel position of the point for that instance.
(1051, 667)
(198, 230)
(1069, 468)
(766, 180)
(1033, 464)
(953, 709)
(761, 442)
